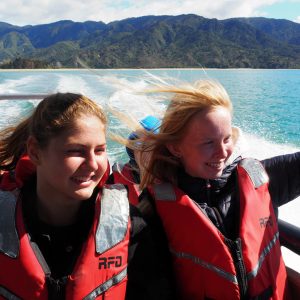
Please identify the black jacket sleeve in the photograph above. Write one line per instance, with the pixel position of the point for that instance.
(150, 273)
(284, 174)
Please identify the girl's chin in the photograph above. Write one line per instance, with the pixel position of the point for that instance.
(84, 194)
(211, 176)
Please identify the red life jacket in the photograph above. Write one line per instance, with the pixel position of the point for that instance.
(204, 264)
(13, 179)
(123, 174)
(101, 268)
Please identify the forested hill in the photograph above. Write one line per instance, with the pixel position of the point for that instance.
(154, 42)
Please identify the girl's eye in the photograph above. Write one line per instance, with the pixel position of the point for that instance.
(75, 151)
(228, 140)
(100, 150)
(84, 152)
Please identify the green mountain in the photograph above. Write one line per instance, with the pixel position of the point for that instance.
(156, 42)
(282, 30)
(14, 44)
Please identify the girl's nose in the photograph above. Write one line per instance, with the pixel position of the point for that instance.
(222, 150)
(91, 161)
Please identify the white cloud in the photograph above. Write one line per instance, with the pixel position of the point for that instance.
(24, 12)
(297, 20)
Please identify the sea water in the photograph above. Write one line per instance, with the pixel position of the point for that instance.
(266, 106)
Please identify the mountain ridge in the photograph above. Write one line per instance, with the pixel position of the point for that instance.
(155, 42)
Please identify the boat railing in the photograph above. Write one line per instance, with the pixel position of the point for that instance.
(23, 96)
(289, 235)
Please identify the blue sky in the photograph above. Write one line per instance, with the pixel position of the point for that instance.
(32, 12)
(284, 10)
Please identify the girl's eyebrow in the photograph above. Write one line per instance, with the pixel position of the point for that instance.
(102, 145)
(84, 145)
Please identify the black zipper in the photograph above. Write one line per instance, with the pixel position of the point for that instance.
(235, 248)
(56, 288)
(208, 187)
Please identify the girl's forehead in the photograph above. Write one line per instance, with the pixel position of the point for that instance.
(206, 122)
(216, 114)
(84, 128)
(85, 122)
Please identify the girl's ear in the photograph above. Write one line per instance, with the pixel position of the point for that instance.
(33, 150)
(236, 133)
(174, 149)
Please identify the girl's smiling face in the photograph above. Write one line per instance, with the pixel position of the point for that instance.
(207, 143)
(73, 163)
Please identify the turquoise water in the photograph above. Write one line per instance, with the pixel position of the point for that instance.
(266, 102)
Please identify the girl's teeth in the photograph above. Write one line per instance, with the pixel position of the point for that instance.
(82, 179)
(215, 165)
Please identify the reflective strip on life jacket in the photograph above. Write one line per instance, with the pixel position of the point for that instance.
(164, 192)
(255, 171)
(7, 294)
(262, 257)
(9, 240)
(106, 285)
(196, 260)
(113, 218)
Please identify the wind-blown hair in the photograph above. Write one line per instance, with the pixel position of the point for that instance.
(52, 116)
(186, 101)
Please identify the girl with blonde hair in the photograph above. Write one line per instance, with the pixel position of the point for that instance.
(218, 209)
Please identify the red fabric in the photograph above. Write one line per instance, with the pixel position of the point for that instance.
(125, 177)
(25, 266)
(105, 176)
(86, 276)
(23, 171)
(197, 244)
(257, 230)
(191, 233)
